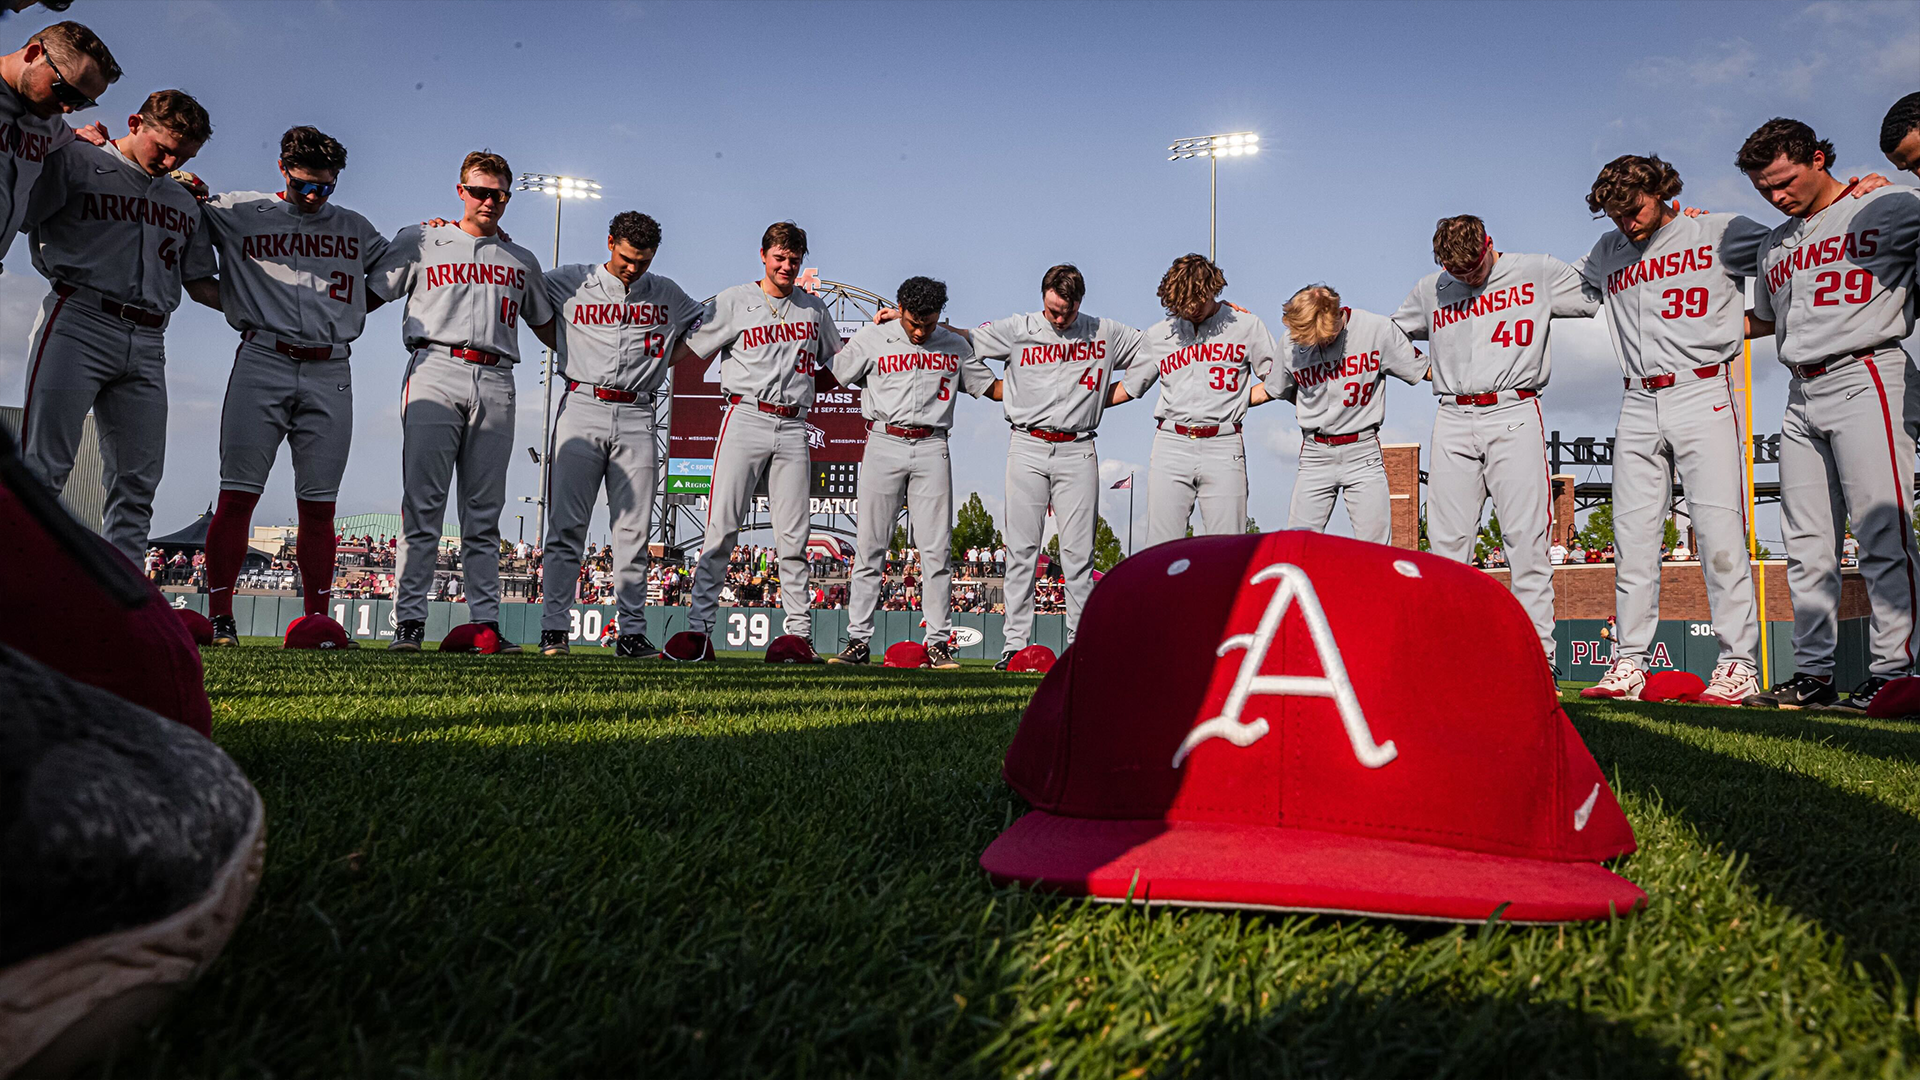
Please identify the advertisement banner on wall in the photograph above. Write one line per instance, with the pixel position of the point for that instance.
(835, 431)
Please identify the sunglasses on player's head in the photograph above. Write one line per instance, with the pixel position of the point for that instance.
(487, 194)
(63, 90)
(309, 188)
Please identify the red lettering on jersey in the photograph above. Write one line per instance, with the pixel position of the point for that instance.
(25, 145)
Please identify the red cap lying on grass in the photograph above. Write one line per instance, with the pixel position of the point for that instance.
(1280, 752)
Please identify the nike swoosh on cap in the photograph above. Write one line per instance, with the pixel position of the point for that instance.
(1585, 811)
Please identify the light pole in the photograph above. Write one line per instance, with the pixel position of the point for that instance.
(1213, 148)
(561, 188)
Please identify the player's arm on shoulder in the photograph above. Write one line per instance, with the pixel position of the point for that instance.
(1741, 245)
(204, 291)
(391, 276)
(1572, 297)
(712, 331)
(1412, 316)
(1870, 182)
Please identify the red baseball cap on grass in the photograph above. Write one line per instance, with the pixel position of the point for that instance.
(471, 638)
(317, 632)
(1033, 658)
(1285, 749)
(905, 654)
(1900, 697)
(792, 649)
(1673, 685)
(199, 627)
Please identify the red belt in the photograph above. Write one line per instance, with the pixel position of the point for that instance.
(475, 356)
(899, 432)
(1204, 431)
(1661, 382)
(126, 312)
(1050, 435)
(606, 393)
(1340, 440)
(767, 406)
(1808, 371)
(1490, 399)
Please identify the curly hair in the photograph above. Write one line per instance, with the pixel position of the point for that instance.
(1901, 119)
(1459, 241)
(1066, 281)
(784, 234)
(1191, 278)
(1312, 316)
(1782, 137)
(488, 162)
(1618, 187)
(635, 228)
(311, 148)
(176, 111)
(921, 297)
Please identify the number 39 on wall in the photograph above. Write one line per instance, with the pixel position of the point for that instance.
(749, 629)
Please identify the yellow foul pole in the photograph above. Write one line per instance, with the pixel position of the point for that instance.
(1753, 534)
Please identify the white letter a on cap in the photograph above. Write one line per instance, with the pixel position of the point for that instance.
(1294, 584)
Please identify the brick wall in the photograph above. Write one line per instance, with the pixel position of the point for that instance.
(1403, 482)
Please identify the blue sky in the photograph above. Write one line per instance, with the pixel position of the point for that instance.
(980, 143)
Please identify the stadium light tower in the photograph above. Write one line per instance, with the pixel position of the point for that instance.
(1213, 148)
(561, 188)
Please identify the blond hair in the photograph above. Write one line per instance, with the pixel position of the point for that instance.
(1312, 316)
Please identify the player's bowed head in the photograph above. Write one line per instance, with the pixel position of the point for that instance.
(1313, 317)
(1790, 166)
(1637, 194)
(920, 301)
(166, 133)
(486, 182)
(633, 239)
(310, 164)
(1462, 247)
(783, 247)
(63, 69)
(1900, 134)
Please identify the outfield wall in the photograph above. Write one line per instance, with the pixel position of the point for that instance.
(1584, 650)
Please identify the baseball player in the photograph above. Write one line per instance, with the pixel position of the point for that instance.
(1675, 295)
(1336, 375)
(467, 289)
(1487, 316)
(1059, 372)
(1900, 134)
(291, 267)
(913, 369)
(115, 236)
(776, 343)
(619, 325)
(1211, 361)
(1835, 289)
(62, 70)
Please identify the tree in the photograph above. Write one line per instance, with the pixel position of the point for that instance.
(1597, 533)
(1424, 544)
(1670, 535)
(1107, 549)
(1490, 538)
(973, 527)
(1252, 525)
(899, 542)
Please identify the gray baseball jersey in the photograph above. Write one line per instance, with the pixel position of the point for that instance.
(99, 221)
(1337, 387)
(463, 291)
(1206, 371)
(617, 335)
(293, 275)
(906, 384)
(1677, 301)
(1494, 337)
(1839, 282)
(1055, 380)
(25, 142)
(771, 347)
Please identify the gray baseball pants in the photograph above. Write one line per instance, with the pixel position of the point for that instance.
(1184, 471)
(1067, 477)
(81, 358)
(596, 442)
(273, 398)
(454, 415)
(1694, 427)
(1356, 470)
(752, 444)
(1498, 450)
(916, 472)
(1845, 455)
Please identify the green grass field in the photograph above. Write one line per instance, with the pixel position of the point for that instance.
(519, 866)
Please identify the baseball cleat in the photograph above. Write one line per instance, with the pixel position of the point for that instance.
(940, 656)
(635, 646)
(1734, 681)
(1005, 659)
(1862, 696)
(1799, 692)
(409, 636)
(507, 645)
(689, 647)
(553, 643)
(1623, 681)
(119, 889)
(856, 652)
(225, 631)
(792, 649)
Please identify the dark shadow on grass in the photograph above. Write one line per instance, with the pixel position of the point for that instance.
(1846, 860)
(1900, 744)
